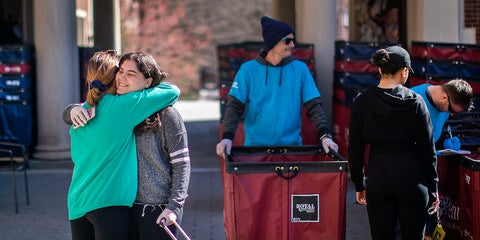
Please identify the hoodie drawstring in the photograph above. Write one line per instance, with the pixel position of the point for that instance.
(281, 72)
(266, 75)
(153, 206)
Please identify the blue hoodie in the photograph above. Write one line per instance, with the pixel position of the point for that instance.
(273, 96)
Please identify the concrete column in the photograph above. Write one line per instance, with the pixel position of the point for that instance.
(117, 27)
(104, 24)
(283, 10)
(433, 21)
(316, 23)
(27, 21)
(57, 78)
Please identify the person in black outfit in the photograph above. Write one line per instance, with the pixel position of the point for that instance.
(402, 177)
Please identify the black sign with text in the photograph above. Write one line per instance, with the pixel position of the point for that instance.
(305, 208)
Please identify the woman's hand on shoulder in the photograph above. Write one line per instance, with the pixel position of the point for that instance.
(80, 116)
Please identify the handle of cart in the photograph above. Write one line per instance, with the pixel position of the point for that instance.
(163, 224)
(335, 155)
(285, 169)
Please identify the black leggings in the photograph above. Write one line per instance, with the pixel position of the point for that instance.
(110, 223)
(386, 206)
(143, 224)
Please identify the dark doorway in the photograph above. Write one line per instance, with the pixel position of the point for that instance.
(10, 22)
(382, 21)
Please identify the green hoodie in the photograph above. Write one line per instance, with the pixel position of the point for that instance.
(104, 152)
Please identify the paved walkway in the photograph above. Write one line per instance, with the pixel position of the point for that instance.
(46, 217)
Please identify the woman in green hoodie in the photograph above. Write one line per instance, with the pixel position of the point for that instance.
(104, 182)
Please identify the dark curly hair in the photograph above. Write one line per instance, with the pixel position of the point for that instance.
(151, 124)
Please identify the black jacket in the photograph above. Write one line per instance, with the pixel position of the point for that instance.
(396, 124)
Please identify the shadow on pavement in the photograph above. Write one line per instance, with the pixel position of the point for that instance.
(46, 217)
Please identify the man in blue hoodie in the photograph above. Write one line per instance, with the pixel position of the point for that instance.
(270, 90)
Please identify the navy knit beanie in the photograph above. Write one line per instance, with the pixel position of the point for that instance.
(273, 31)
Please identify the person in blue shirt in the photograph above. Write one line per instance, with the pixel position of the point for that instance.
(445, 100)
(270, 91)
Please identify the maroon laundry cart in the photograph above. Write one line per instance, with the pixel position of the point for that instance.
(294, 192)
(459, 189)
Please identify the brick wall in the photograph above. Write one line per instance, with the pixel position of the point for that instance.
(183, 34)
(472, 16)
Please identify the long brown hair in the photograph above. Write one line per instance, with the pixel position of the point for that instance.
(101, 70)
